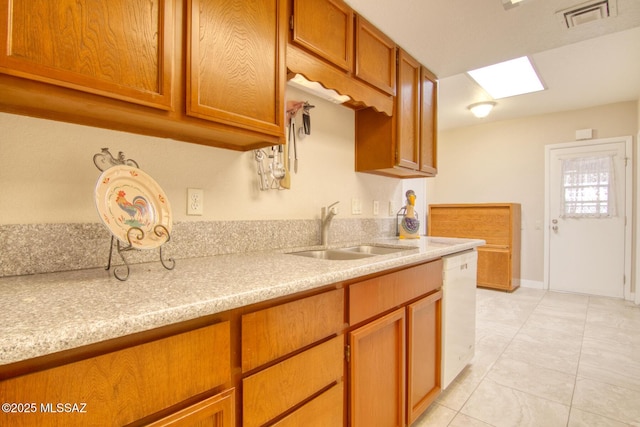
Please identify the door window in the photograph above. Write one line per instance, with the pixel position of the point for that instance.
(588, 187)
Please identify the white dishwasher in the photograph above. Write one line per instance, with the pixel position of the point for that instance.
(458, 313)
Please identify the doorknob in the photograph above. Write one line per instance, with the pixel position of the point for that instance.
(554, 227)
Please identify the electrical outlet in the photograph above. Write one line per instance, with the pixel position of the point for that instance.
(356, 206)
(392, 208)
(195, 201)
(376, 208)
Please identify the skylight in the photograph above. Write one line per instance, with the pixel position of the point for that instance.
(509, 78)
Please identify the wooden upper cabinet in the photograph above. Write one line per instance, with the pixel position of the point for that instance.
(375, 61)
(428, 122)
(404, 145)
(119, 48)
(235, 68)
(408, 111)
(325, 28)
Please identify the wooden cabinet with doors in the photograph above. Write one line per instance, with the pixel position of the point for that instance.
(394, 345)
(293, 362)
(131, 384)
(496, 223)
(403, 145)
(205, 71)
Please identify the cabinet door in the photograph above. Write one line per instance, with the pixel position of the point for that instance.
(494, 267)
(378, 372)
(118, 48)
(325, 28)
(408, 111)
(375, 57)
(216, 411)
(235, 64)
(423, 348)
(428, 122)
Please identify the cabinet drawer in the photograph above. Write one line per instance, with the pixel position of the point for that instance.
(280, 387)
(325, 410)
(277, 331)
(126, 385)
(494, 267)
(374, 296)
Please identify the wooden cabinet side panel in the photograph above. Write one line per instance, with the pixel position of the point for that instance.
(121, 49)
(280, 387)
(126, 385)
(325, 28)
(515, 244)
(375, 57)
(408, 111)
(424, 354)
(235, 64)
(374, 296)
(274, 332)
(428, 122)
(377, 372)
(323, 411)
(216, 411)
(375, 140)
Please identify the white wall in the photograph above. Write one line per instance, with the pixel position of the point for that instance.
(504, 162)
(47, 174)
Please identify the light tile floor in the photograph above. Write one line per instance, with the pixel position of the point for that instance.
(546, 359)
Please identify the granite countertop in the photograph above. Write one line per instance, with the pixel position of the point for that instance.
(46, 313)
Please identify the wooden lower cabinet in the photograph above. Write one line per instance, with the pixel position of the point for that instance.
(394, 367)
(378, 372)
(216, 411)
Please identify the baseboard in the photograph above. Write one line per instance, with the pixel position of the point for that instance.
(533, 284)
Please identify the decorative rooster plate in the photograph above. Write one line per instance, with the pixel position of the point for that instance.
(133, 207)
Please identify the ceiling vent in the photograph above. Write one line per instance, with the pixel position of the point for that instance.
(584, 13)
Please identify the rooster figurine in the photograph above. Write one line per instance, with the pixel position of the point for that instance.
(136, 210)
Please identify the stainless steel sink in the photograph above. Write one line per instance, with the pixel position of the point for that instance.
(375, 250)
(332, 254)
(351, 252)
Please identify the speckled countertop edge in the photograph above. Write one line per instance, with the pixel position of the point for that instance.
(47, 313)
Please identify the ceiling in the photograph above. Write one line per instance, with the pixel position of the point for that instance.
(596, 63)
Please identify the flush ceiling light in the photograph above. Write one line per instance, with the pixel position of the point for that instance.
(508, 4)
(481, 109)
(509, 78)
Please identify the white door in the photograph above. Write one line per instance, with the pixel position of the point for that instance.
(586, 209)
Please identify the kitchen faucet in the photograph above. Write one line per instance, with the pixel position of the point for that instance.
(327, 215)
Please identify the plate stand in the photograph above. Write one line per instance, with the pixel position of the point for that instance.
(105, 160)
